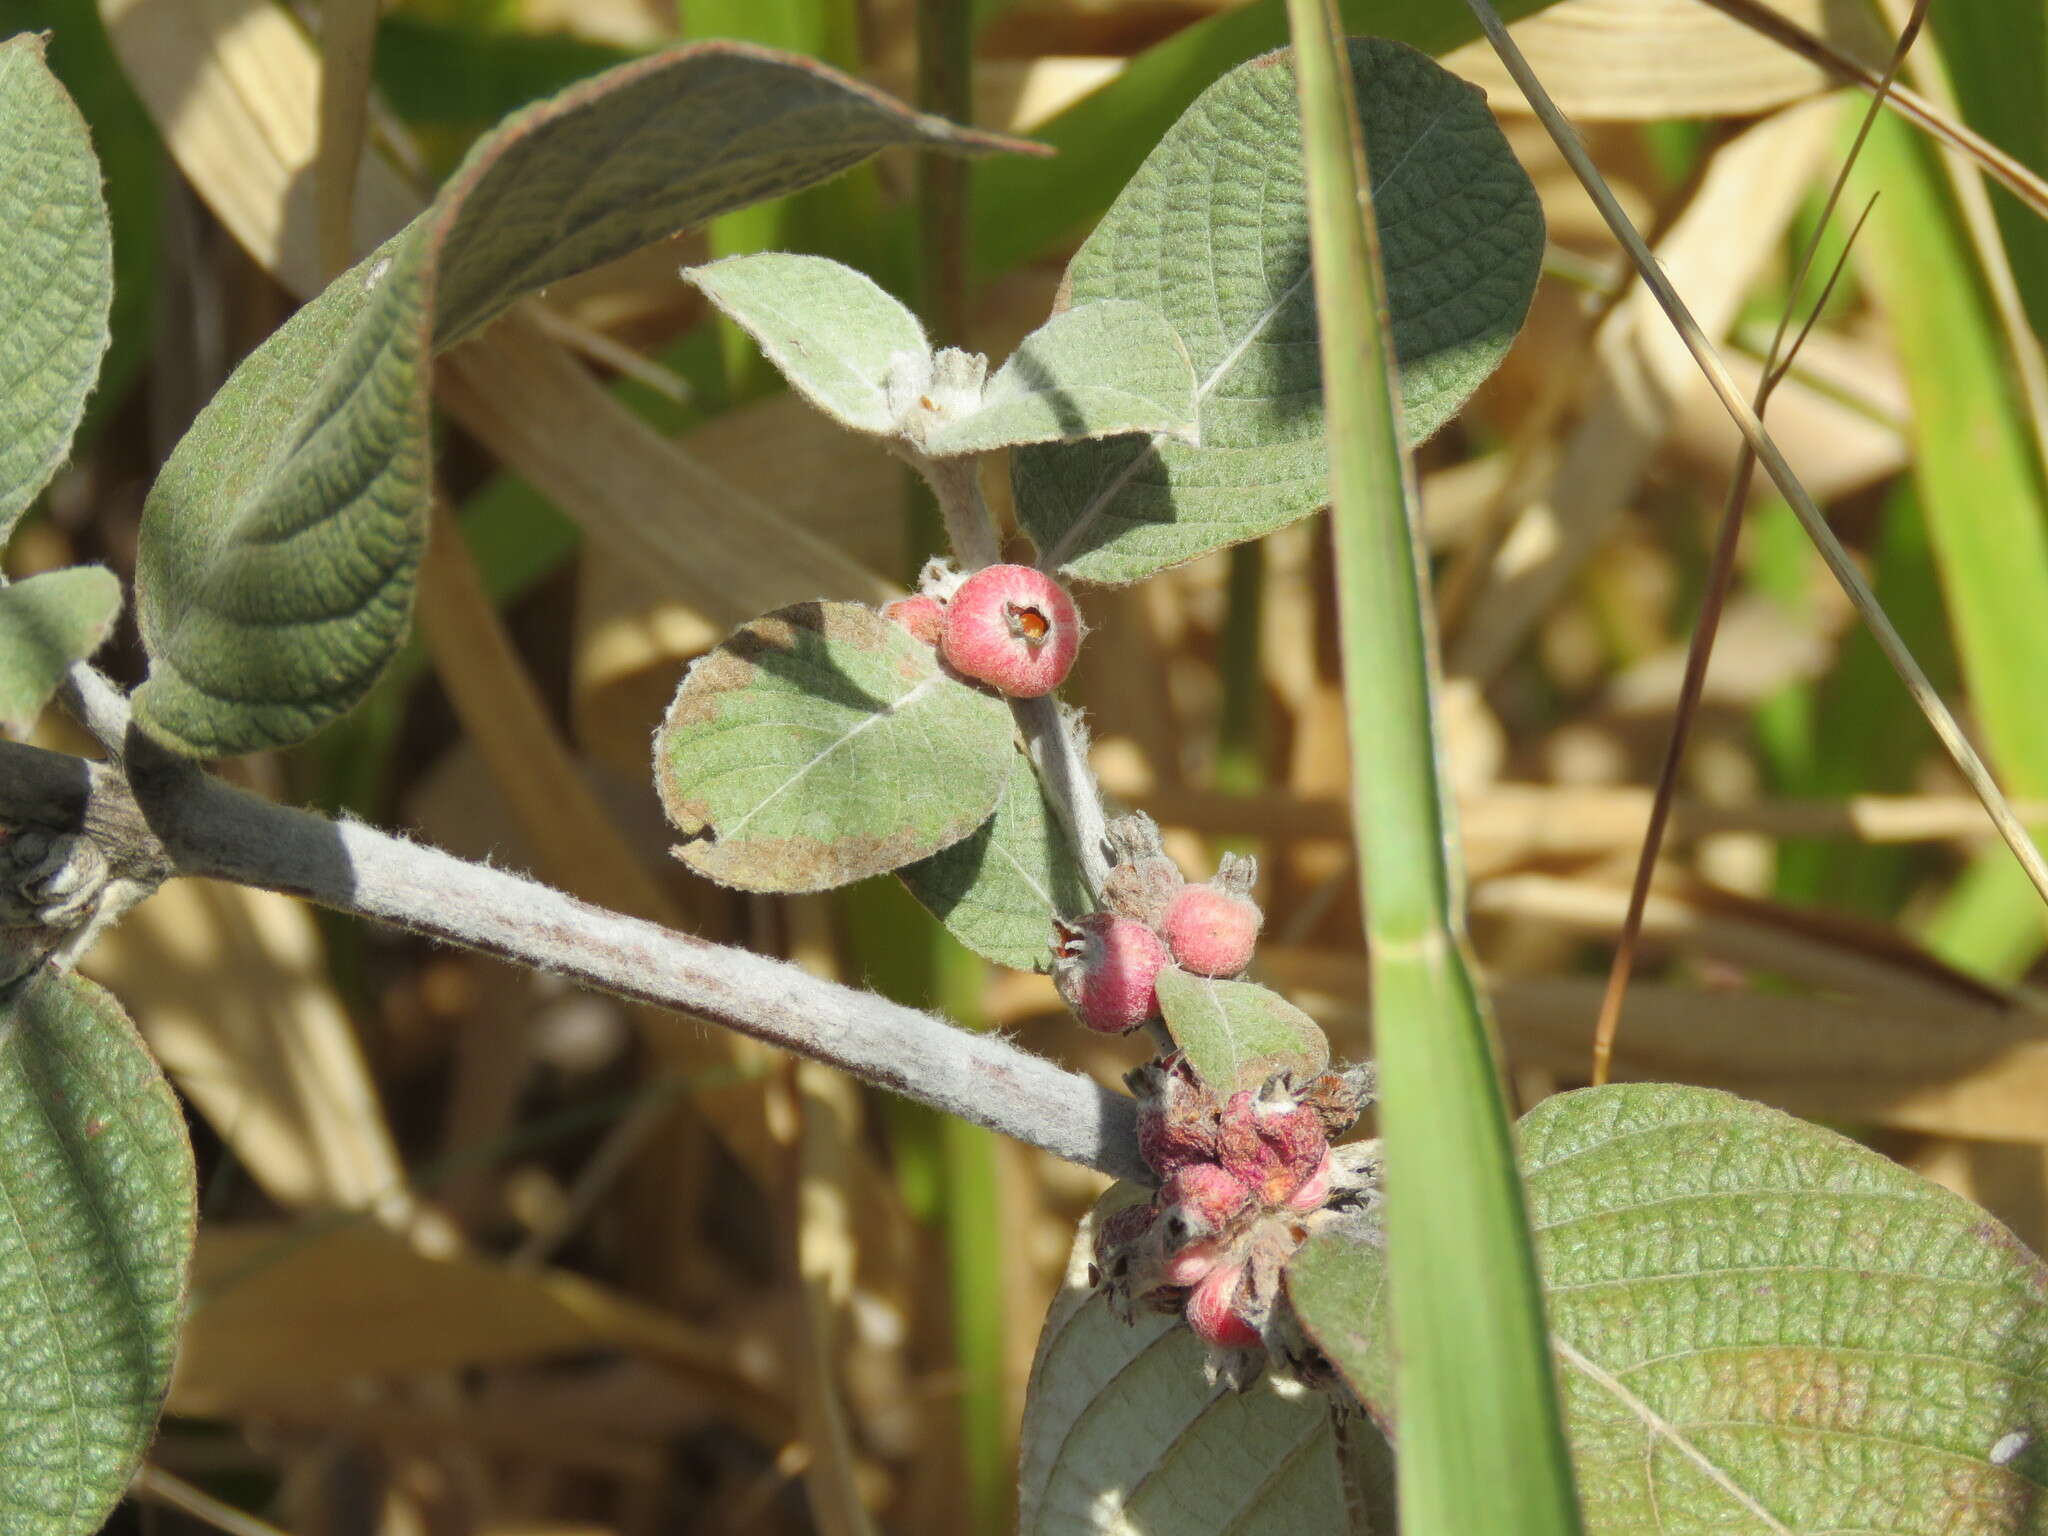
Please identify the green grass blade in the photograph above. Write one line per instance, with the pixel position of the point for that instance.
(1481, 1445)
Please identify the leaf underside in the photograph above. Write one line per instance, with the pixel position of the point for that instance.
(1122, 1437)
(56, 274)
(1212, 233)
(821, 744)
(281, 543)
(1762, 1326)
(998, 889)
(96, 1213)
(1236, 1034)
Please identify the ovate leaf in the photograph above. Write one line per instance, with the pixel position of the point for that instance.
(999, 889)
(1122, 1436)
(46, 623)
(1095, 371)
(1761, 1326)
(822, 744)
(833, 332)
(96, 1212)
(1236, 1034)
(1212, 233)
(280, 544)
(56, 273)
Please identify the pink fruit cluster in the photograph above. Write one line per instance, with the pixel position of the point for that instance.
(1009, 626)
(1107, 964)
(1240, 1180)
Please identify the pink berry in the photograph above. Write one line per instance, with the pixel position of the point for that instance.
(1212, 931)
(1176, 1115)
(922, 614)
(1200, 1200)
(1013, 628)
(1314, 1192)
(1271, 1144)
(1107, 969)
(1213, 1314)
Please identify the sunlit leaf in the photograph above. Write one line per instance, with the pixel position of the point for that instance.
(1236, 1034)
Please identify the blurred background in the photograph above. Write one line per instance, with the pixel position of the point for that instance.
(485, 1256)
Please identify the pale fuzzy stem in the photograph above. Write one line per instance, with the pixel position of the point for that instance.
(1057, 749)
(205, 827)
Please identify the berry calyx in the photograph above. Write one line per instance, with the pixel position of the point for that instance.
(1176, 1115)
(1212, 929)
(922, 614)
(1107, 968)
(1143, 880)
(1014, 628)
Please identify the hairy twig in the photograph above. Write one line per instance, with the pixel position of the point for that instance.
(193, 824)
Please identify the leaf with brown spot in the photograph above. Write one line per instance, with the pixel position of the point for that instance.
(822, 744)
(1761, 1326)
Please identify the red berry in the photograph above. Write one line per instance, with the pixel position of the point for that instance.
(1272, 1145)
(1106, 970)
(1176, 1116)
(1212, 931)
(1200, 1200)
(922, 614)
(1013, 628)
(1213, 1314)
(1314, 1192)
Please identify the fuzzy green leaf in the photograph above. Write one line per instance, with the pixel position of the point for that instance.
(1236, 1034)
(822, 744)
(1761, 1326)
(998, 890)
(833, 332)
(1212, 233)
(1123, 1437)
(46, 623)
(281, 543)
(96, 1210)
(56, 274)
(1102, 369)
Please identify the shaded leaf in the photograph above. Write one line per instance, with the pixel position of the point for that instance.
(1237, 1033)
(1761, 1325)
(1212, 233)
(1102, 369)
(280, 544)
(822, 744)
(999, 889)
(46, 623)
(1122, 1436)
(833, 332)
(56, 273)
(96, 1211)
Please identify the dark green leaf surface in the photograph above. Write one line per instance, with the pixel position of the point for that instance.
(1761, 1326)
(47, 623)
(999, 889)
(822, 744)
(96, 1213)
(56, 274)
(280, 544)
(1212, 232)
(1122, 1437)
(1236, 1034)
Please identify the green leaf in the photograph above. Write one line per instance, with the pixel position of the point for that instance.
(822, 744)
(1212, 233)
(999, 889)
(96, 1211)
(1123, 1437)
(834, 333)
(1761, 1325)
(281, 543)
(56, 274)
(1236, 1034)
(1105, 368)
(47, 623)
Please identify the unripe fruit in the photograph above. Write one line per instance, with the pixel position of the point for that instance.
(1120, 1237)
(1143, 881)
(1212, 931)
(1013, 628)
(1106, 969)
(1314, 1192)
(1273, 1145)
(1199, 1201)
(922, 614)
(1212, 1311)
